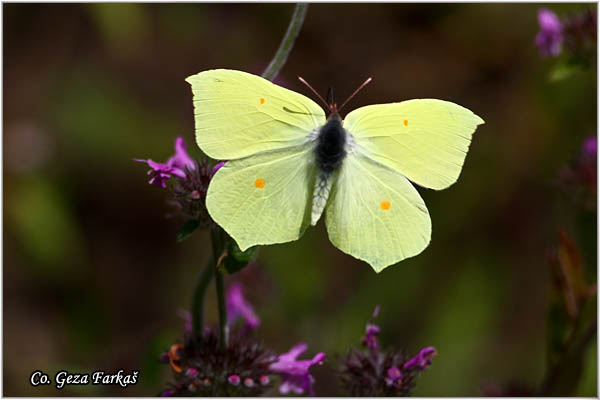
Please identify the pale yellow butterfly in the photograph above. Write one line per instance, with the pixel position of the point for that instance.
(287, 163)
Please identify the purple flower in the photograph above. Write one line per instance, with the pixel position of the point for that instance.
(191, 372)
(372, 331)
(264, 380)
(295, 375)
(394, 377)
(421, 360)
(181, 159)
(237, 306)
(234, 380)
(370, 339)
(590, 146)
(550, 37)
(167, 393)
(161, 172)
(217, 167)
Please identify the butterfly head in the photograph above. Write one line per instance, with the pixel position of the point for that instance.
(330, 104)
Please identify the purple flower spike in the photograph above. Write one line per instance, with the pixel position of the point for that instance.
(161, 172)
(237, 306)
(181, 159)
(421, 360)
(394, 377)
(370, 339)
(234, 380)
(217, 167)
(295, 375)
(167, 393)
(550, 37)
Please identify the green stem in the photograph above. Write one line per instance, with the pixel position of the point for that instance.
(219, 242)
(565, 364)
(222, 311)
(198, 300)
(287, 43)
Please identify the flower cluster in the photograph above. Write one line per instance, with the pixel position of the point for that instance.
(575, 33)
(175, 165)
(189, 183)
(202, 368)
(376, 373)
(244, 368)
(550, 38)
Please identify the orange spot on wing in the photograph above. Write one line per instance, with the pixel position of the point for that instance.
(385, 205)
(405, 122)
(259, 183)
(262, 100)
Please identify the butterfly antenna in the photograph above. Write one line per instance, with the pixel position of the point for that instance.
(315, 92)
(353, 94)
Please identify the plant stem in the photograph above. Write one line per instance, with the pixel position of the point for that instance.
(222, 311)
(573, 353)
(198, 299)
(287, 43)
(219, 242)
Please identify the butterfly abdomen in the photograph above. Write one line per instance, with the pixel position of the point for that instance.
(329, 153)
(331, 143)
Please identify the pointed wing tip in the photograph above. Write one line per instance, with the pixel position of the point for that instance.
(191, 78)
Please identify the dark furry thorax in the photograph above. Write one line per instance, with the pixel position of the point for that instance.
(331, 145)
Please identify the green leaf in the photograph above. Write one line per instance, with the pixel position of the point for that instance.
(237, 259)
(564, 69)
(187, 229)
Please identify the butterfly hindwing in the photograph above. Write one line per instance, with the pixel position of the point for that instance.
(375, 214)
(264, 198)
(425, 139)
(238, 114)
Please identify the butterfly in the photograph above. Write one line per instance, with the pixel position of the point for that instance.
(288, 164)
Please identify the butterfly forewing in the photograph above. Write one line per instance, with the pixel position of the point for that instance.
(425, 139)
(238, 114)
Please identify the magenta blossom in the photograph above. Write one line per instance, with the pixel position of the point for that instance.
(295, 375)
(372, 331)
(394, 377)
(234, 380)
(421, 360)
(161, 172)
(237, 306)
(550, 37)
(181, 159)
(590, 146)
(370, 339)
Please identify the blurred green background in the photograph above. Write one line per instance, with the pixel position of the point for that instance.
(93, 277)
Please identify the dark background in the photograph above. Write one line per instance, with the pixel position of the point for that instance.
(93, 277)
